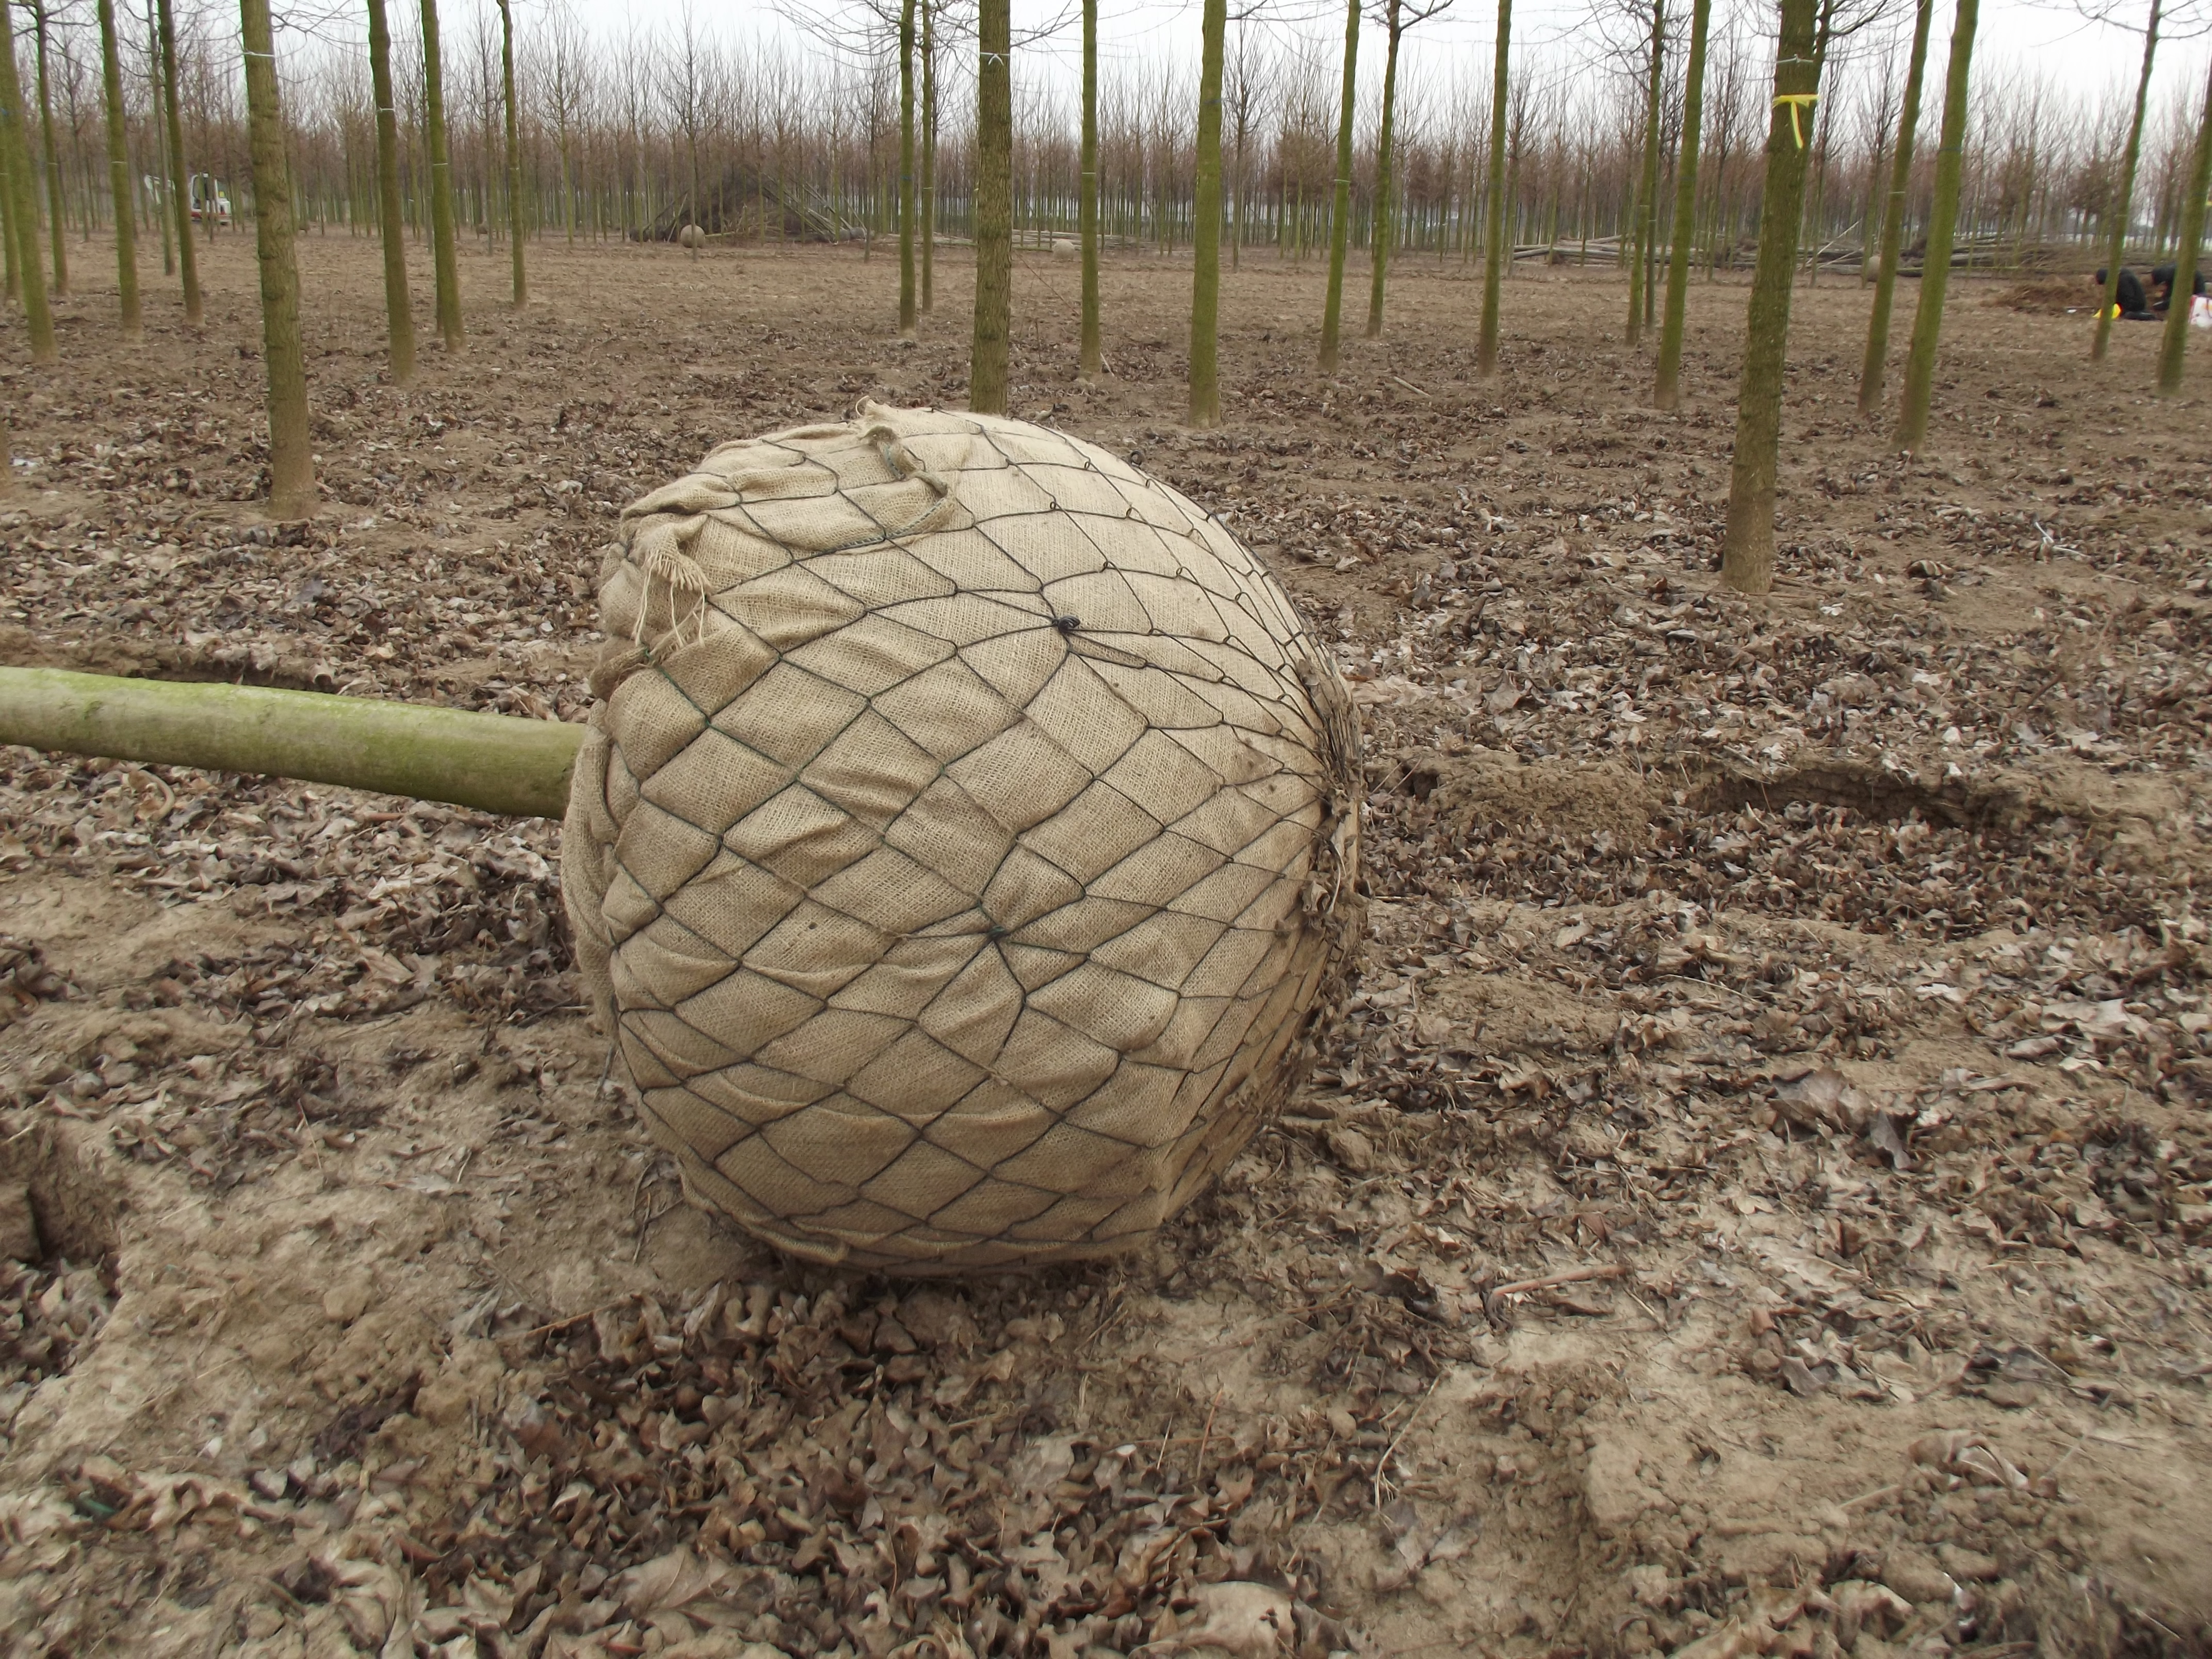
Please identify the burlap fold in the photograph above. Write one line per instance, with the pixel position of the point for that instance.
(965, 842)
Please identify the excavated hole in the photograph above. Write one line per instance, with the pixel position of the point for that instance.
(59, 1219)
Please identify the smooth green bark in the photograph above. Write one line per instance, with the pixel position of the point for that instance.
(1667, 390)
(180, 182)
(1494, 224)
(16, 176)
(906, 319)
(291, 457)
(2173, 347)
(445, 257)
(1646, 214)
(926, 138)
(1205, 240)
(994, 208)
(1091, 357)
(2123, 207)
(1385, 161)
(119, 174)
(392, 228)
(493, 763)
(1340, 230)
(57, 232)
(1873, 372)
(1943, 219)
(1748, 547)
(520, 273)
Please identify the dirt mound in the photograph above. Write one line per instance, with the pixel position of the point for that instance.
(2050, 296)
(1488, 788)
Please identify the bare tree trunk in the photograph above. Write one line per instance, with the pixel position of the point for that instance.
(119, 174)
(1667, 393)
(445, 257)
(180, 182)
(1091, 357)
(1747, 549)
(1936, 277)
(994, 208)
(16, 174)
(1206, 239)
(1379, 265)
(906, 314)
(1340, 230)
(513, 155)
(8, 490)
(399, 319)
(2123, 205)
(1876, 370)
(929, 142)
(2173, 348)
(56, 236)
(1494, 229)
(1645, 215)
(291, 460)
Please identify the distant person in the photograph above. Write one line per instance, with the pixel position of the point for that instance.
(2161, 286)
(2134, 307)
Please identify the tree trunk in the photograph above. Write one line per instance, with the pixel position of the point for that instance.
(16, 174)
(1494, 229)
(1384, 158)
(1748, 552)
(399, 319)
(929, 142)
(1091, 357)
(907, 317)
(1205, 238)
(1339, 228)
(7, 458)
(1667, 393)
(445, 257)
(118, 172)
(1876, 370)
(2124, 205)
(995, 204)
(2173, 347)
(1935, 277)
(161, 207)
(513, 155)
(291, 461)
(180, 182)
(57, 234)
(1644, 220)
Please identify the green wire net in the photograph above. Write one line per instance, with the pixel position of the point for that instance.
(966, 842)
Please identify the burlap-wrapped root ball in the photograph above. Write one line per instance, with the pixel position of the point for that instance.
(964, 844)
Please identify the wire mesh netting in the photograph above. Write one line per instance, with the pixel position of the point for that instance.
(965, 843)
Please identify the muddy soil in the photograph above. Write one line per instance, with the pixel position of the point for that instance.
(1758, 1201)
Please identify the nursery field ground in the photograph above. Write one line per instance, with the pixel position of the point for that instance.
(1758, 1200)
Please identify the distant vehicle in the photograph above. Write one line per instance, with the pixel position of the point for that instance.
(208, 196)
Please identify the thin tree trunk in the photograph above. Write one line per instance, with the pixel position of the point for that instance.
(1644, 216)
(928, 143)
(399, 319)
(7, 458)
(17, 175)
(2123, 208)
(906, 314)
(161, 166)
(180, 182)
(1747, 549)
(56, 232)
(1934, 279)
(994, 211)
(119, 174)
(1667, 393)
(1091, 357)
(513, 155)
(2173, 347)
(1876, 370)
(1340, 230)
(1493, 229)
(445, 257)
(291, 461)
(1205, 238)
(1384, 157)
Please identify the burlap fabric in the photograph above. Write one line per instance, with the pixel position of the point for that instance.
(964, 841)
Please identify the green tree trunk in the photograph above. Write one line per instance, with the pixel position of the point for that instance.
(2123, 202)
(1339, 228)
(1205, 238)
(1667, 393)
(1747, 549)
(1935, 277)
(1874, 372)
(906, 314)
(994, 208)
(1385, 158)
(1644, 216)
(7, 458)
(2173, 347)
(118, 172)
(1494, 226)
(291, 460)
(161, 207)
(180, 182)
(399, 318)
(56, 232)
(927, 139)
(1091, 357)
(445, 257)
(17, 175)
(513, 155)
